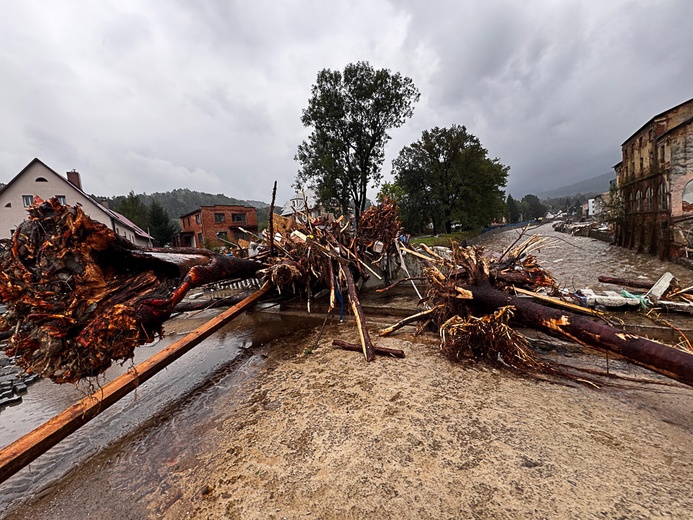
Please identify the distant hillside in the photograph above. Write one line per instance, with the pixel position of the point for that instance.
(592, 186)
(181, 201)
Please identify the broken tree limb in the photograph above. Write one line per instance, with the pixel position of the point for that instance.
(406, 321)
(649, 354)
(383, 351)
(29, 447)
(638, 284)
(366, 342)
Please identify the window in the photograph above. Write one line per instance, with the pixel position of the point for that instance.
(238, 217)
(661, 154)
(61, 199)
(638, 201)
(27, 200)
(649, 199)
(631, 205)
(197, 218)
(222, 235)
(41, 179)
(188, 221)
(219, 217)
(687, 202)
(642, 165)
(662, 196)
(200, 240)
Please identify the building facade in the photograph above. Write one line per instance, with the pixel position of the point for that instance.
(655, 185)
(38, 179)
(216, 226)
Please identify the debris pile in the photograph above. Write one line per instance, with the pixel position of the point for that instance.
(80, 297)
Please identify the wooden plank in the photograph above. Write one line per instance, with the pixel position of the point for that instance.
(558, 302)
(29, 447)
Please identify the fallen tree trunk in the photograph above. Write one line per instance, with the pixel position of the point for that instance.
(638, 284)
(649, 354)
(383, 351)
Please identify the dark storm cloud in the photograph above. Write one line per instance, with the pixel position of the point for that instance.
(152, 96)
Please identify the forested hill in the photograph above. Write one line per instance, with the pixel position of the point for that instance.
(181, 201)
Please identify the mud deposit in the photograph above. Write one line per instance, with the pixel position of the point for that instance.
(298, 434)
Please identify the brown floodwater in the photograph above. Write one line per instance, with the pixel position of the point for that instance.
(577, 262)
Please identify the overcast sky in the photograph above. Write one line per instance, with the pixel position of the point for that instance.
(156, 95)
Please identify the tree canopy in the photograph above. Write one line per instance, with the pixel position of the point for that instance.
(134, 209)
(160, 225)
(350, 113)
(514, 213)
(448, 178)
(532, 208)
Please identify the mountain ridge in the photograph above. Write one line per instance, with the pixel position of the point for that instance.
(595, 185)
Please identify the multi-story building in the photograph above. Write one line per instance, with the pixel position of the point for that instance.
(216, 226)
(38, 179)
(655, 185)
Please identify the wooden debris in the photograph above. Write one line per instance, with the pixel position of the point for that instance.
(638, 284)
(383, 351)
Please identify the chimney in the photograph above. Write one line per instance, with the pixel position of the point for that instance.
(104, 203)
(74, 179)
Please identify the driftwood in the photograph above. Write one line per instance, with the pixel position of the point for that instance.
(638, 284)
(383, 351)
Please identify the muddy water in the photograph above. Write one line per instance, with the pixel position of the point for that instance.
(166, 407)
(577, 262)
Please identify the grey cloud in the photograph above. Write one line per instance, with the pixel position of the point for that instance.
(159, 95)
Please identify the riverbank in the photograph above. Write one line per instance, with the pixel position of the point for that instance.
(303, 432)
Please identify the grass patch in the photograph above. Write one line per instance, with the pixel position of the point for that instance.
(445, 240)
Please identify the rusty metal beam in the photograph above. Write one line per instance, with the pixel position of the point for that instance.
(29, 447)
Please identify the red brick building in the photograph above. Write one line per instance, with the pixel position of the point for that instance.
(214, 226)
(655, 183)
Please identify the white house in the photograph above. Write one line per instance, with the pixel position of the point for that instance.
(38, 179)
(305, 203)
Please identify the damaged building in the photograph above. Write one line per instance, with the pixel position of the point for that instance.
(655, 183)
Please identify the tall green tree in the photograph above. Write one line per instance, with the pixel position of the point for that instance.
(514, 213)
(448, 178)
(134, 209)
(160, 225)
(532, 208)
(350, 114)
